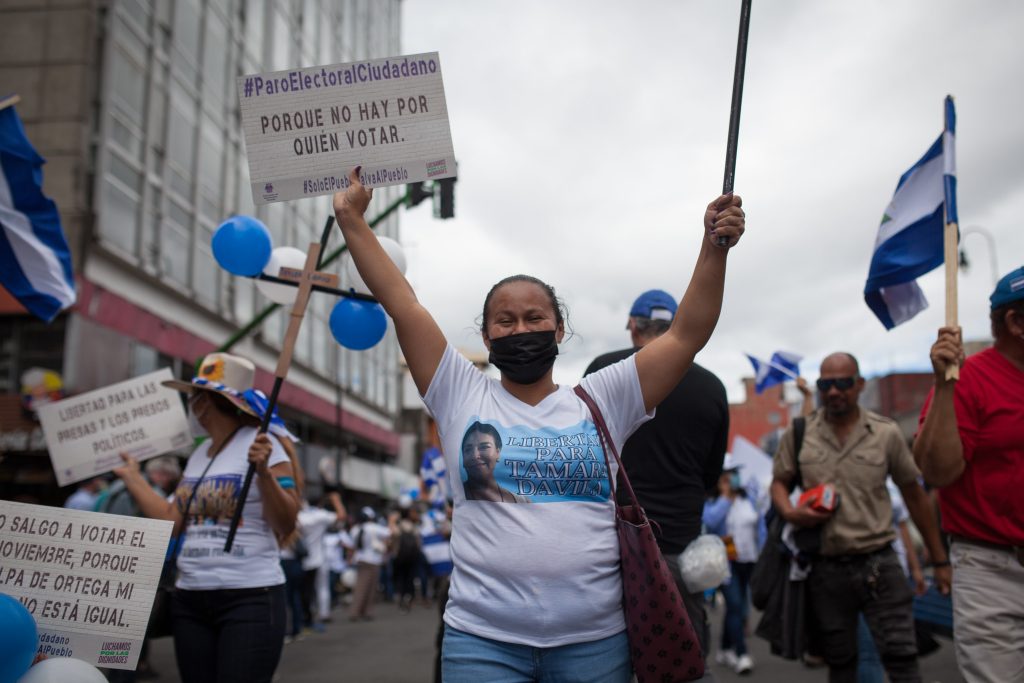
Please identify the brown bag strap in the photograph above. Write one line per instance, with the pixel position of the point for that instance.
(608, 446)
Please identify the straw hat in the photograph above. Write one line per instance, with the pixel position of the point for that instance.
(230, 376)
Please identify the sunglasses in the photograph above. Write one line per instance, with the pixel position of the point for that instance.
(840, 383)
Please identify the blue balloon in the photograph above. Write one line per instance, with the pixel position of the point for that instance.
(358, 324)
(18, 639)
(242, 246)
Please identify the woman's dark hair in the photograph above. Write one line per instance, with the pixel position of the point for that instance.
(482, 428)
(998, 317)
(224, 405)
(561, 312)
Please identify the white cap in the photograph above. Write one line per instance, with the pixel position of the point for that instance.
(730, 463)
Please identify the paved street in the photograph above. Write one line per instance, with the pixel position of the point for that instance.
(393, 648)
(397, 648)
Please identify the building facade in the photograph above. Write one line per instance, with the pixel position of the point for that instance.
(761, 417)
(134, 104)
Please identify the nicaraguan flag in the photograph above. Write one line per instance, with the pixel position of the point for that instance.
(35, 264)
(782, 366)
(438, 553)
(909, 242)
(434, 474)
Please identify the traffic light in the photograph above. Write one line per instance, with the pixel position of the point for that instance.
(416, 194)
(446, 201)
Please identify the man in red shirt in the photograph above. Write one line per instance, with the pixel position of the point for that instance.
(971, 445)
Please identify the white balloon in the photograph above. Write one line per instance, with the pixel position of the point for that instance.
(282, 257)
(63, 670)
(350, 277)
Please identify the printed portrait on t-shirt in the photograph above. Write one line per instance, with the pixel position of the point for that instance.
(214, 502)
(532, 465)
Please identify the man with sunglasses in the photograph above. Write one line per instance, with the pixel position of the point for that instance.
(857, 570)
(971, 444)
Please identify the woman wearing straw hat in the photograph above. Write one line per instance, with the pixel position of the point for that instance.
(228, 609)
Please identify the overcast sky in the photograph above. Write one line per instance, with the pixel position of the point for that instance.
(590, 136)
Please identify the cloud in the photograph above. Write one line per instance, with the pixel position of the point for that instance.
(590, 136)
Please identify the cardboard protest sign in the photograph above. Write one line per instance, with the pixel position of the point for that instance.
(86, 433)
(87, 578)
(306, 128)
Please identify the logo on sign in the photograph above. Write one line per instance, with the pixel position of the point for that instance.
(435, 168)
(268, 188)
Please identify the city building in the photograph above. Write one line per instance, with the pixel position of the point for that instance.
(760, 416)
(134, 105)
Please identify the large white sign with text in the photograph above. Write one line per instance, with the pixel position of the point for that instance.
(306, 128)
(85, 434)
(87, 578)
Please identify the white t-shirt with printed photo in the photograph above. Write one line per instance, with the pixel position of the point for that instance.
(254, 560)
(540, 567)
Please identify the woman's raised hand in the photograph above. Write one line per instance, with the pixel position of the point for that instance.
(724, 217)
(353, 201)
(130, 467)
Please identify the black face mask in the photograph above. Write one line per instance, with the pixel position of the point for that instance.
(524, 358)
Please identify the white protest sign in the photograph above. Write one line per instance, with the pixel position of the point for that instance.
(86, 433)
(755, 471)
(306, 128)
(756, 464)
(87, 578)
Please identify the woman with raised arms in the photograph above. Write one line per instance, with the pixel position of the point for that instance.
(536, 593)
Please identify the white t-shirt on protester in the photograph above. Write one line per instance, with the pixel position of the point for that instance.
(334, 550)
(371, 541)
(254, 561)
(900, 514)
(547, 573)
(741, 524)
(313, 524)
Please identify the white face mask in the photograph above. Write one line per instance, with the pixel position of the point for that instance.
(195, 426)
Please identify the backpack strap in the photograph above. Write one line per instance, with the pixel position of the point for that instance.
(799, 427)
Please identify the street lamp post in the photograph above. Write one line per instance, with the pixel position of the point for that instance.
(984, 232)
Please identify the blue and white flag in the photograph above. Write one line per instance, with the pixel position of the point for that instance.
(782, 366)
(434, 474)
(910, 238)
(35, 264)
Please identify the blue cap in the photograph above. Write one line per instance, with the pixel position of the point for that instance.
(1009, 289)
(654, 303)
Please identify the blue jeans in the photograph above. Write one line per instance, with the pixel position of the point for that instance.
(387, 580)
(293, 593)
(466, 658)
(228, 636)
(737, 606)
(869, 664)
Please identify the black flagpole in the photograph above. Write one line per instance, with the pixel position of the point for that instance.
(737, 101)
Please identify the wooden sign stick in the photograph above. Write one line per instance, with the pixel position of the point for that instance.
(9, 101)
(949, 240)
(950, 237)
